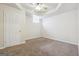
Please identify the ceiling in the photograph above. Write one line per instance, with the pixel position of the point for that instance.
(29, 7)
(11, 5)
(53, 8)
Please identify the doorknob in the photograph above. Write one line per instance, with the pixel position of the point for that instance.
(19, 30)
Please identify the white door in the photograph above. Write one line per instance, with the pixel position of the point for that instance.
(11, 27)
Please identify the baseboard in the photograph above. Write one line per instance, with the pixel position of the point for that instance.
(1, 47)
(19, 43)
(61, 40)
(12, 45)
(33, 38)
(41, 37)
(53, 38)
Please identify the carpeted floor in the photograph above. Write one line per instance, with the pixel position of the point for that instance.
(41, 47)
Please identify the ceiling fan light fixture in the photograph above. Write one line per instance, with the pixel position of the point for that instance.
(41, 7)
(38, 8)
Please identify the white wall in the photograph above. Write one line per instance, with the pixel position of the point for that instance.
(1, 28)
(61, 27)
(32, 30)
(78, 29)
(78, 24)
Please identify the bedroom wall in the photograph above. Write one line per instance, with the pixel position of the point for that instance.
(62, 27)
(1, 28)
(78, 29)
(78, 24)
(32, 30)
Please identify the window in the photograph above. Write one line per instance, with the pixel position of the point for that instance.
(36, 19)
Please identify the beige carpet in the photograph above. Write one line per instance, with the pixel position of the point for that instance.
(41, 47)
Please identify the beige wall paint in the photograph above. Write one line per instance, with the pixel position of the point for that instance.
(62, 27)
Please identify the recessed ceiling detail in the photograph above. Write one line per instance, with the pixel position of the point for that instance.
(44, 9)
(40, 8)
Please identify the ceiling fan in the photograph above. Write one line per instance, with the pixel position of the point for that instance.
(40, 8)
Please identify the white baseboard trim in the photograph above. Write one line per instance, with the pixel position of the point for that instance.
(32, 38)
(19, 43)
(43, 37)
(13, 45)
(61, 40)
(1, 47)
